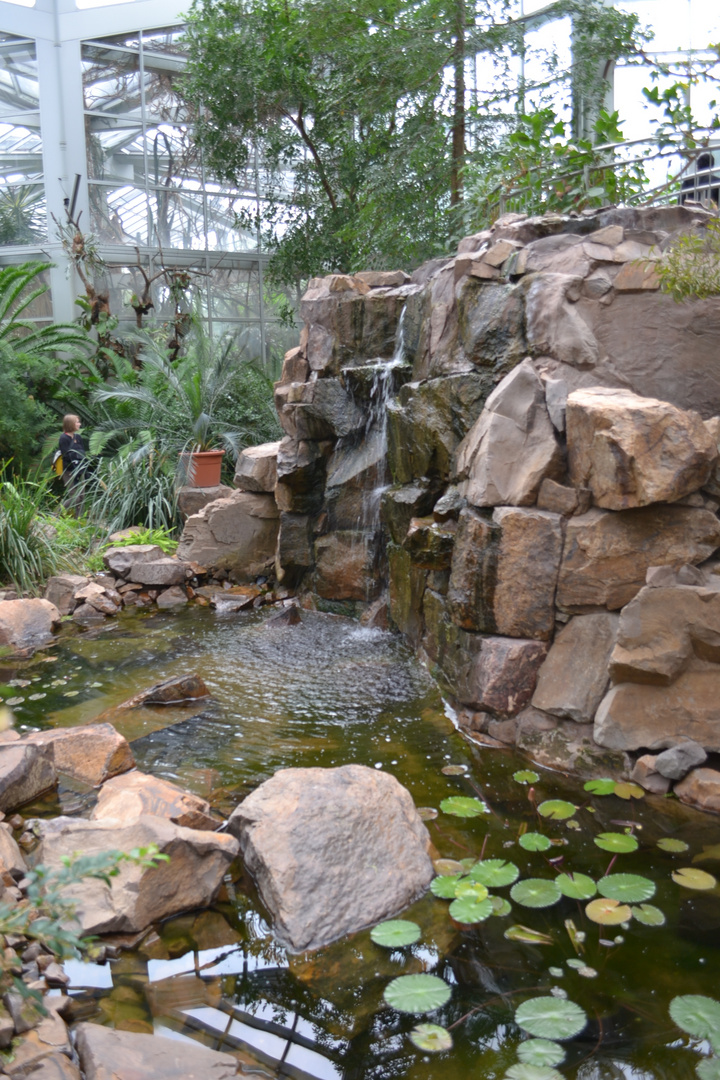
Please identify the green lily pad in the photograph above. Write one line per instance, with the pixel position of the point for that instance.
(532, 1072)
(697, 1015)
(603, 786)
(417, 993)
(467, 910)
(608, 912)
(444, 886)
(551, 1018)
(501, 906)
(495, 873)
(627, 888)
(669, 843)
(431, 1037)
(691, 878)
(526, 776)
(527, 935)
(576, 886)
(536, 893)
(648, 915)
(470, 890)
(463, 806)
(616, 842)
(534, 841)
(395, 933)
(540, 1052)
(448, 867)
(556, 809)
(708, 1069)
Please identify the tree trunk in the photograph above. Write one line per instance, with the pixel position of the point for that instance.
(458, 128)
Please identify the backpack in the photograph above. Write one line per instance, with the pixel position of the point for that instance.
(57, 463)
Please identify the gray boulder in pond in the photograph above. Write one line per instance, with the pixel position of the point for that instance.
(332, 850)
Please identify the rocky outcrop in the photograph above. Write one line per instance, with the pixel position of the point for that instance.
(573, 680)
(109, 1054)
(332, 850)
(237, 535)
(27, 624)
(26, 771)
(90, 753)
(60, 590)
(256, 467)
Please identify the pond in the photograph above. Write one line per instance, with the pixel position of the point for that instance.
(329, 692)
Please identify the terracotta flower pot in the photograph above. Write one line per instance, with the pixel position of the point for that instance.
(203, 468)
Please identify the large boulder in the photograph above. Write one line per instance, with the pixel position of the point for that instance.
(295, 554)
(512, 447)
(700, 788)
(322, 409)
(158, 572)
(332, 850)
(136, 897)
(399, 505)
(27, 624)
(191, 500)
(256, 468)
(497, 674)
(237, 534)
(607, 554)
(574, 677)
(301, 468)
(120, 560)
(61, 588)
(109, 1054)
(26, 771)
(133, 794)
(491, 324)
(632, 451)
(348, 322)
(91, 753)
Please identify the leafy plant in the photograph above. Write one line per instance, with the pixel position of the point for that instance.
(690, 267)
(27, 551)
(463, 806)
(161, 537)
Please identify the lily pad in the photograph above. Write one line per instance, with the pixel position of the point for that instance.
(467, 910)
(534, 841)
(417, 993)
(501, 906)
(627, 888)
(551, 1018)
(626, 790)
(616, 842)
(427, 813)
(536, 893)
(697, 1015)
(463, 806)
(556, 809)
(669, 843)
(470, 890)
(603, 786)
(431, 1037)
(540, 1052)
(526, 776)
(574, 963)
(608, 912)
(395, 933)
(495, 873)
(576, 886)
(532, 1072)
(444, 887)
(454, 770)
(691, 878)
(527, 935)
(648, 915)
(448, 867)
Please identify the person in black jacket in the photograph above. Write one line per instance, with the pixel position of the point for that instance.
(72, 449)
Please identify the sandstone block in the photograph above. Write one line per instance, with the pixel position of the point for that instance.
(383, 279)
(637, 277)
(400, 504)
(120, 560)
(557, 498)
(27, 624)
(406, 587)
(646, 775)
(700, 788)
(158, 572)
(295, 366)
(54, 1067)
(301, 467)
(566, 746)
(491, 330)
(429, 543)
(136, 897)
(174, 597)
(500, 677)
(573, 680)
(606, 554)
(191, 500)
(345, 566)
(60, 591)
(632, 451)
(356, 476)
(133, 794)
(109, 1054)
(555, 326)
(306, 832)
(48, 1039)
(11, 857)
(349, 325)
(237, 534)
(473, 571)
(295, 552)
(26, 771)
(256, 468)
(90, 753)
(677, 761)
(512, 447)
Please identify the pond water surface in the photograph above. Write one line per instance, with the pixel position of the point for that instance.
(329, 692)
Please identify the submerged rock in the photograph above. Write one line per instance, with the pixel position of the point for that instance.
(109, 1054)
(332, 850)
(133, 794)
(289, 617)
(170, 692)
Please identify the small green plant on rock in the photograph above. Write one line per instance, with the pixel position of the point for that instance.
(690, 268)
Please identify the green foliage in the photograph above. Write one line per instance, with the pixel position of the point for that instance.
(464, 806)
(417, 993)
(395, 933)
(27, 551)
(551, 1018)
(690, 267)
(21, 217)
(135, 488)
(160, 537)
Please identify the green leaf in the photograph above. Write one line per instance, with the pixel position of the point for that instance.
(648, 915)
(534, 841)
(495, 873)
(417, 993)
(708, 1069)
(691, 878)
(617, 843)
(527, 935)
(576, 886)
(501, 906)
(526, 776)
(540, 1052)
(608, 912)
(627, 888)
(448, 867)
(431, 1038)
(669, 843)
(532, 1072)
(697, 1015)
(556, 809)
(536, 893)
(604, 786)
(468, 910)
(626, 790)
(395, 933)
(471, 890)
(551, 1018)
(463, 806)
(444, 886)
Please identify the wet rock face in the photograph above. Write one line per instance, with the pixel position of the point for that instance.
(498, 674)
(574, 678)
(305, 834)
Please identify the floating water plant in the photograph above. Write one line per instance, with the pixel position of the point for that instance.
(556, 809)
(669, 843)
(495, 873)
(534, 841)
(576, 886)
(617, 843)
(395, 933)
(536, 893)
(463, 806)
(444, 886)
(448, 866)
(527, 935)
(648, 915)
(468, 910)
(691, 878)
(541, 1052)
(417, 993)
(532, 1072)
(608, 912)
(526, 776)
(627, 888)
(551, 1018)
(699, 1016)
(431, 1038)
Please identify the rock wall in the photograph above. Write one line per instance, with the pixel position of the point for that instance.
(513, 441)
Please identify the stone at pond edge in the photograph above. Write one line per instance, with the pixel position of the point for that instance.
(136, 897)
(158, 572)
(645, 774)
(120, 559)
(332, 850)
(107, 1054)
(90, 753)
(172, 691)
(61, 588)
(677, 761)
(27, 624)
(176, 596)
(498, 674)
(135, 793)
(574, 677)
(567, 746)
(26, 771)
(632, 716)
(700, 788)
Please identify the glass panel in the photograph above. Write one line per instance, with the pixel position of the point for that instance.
(111, 78)
(119, 215)
(23, 218)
